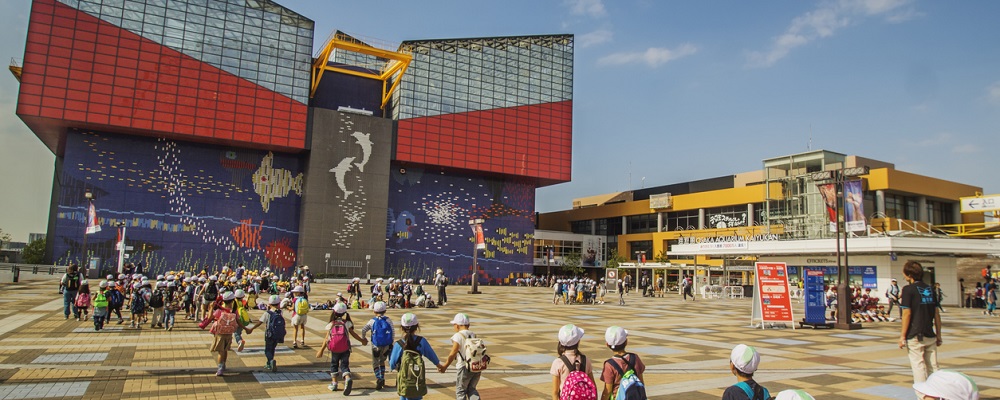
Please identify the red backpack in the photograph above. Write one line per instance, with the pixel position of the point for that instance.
(578, 385)
(338, 338)
(225, 323)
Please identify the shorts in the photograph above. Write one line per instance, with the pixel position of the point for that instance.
(299, 320)
(222, 343)
(340, 363)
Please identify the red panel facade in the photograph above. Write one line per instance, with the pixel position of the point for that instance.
(531, 141)
(89, 73)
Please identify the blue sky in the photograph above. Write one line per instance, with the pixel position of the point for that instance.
(676, 91)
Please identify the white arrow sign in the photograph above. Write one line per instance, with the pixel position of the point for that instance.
(981, 204)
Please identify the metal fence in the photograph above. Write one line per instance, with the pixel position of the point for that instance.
(344, 268)
(19, 270)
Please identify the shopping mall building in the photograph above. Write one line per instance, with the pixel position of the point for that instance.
(718, 228)
(215, 133)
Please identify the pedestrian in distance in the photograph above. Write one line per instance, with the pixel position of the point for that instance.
(300, 314)
(82, 301)
(100, 306)
(224, 323)
(274, 325)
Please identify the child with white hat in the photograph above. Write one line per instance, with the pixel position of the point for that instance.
(617, 367)
(947, 385)
(468, 375)
(743, 362)
(274, 326)
(571, 362)
(794, 394)
(339, 344)
(300, 311)
(405, 358)
(383, 335)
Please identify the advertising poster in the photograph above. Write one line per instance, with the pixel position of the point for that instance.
(611, 279)
(829, 193)
(854, 207)
(772, 284)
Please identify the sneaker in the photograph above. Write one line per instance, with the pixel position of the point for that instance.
(170, 328)
(219, 372)
(295, 345)
(274, 365)
(120, 321)
(239, 348)
(347, 387)
(77, 318)
(379, 384)
(332, 387)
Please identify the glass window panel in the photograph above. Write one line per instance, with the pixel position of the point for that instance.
(133, 26)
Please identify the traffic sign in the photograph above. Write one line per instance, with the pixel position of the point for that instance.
(980, 204)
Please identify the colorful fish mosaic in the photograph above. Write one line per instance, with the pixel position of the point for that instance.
(271, 183)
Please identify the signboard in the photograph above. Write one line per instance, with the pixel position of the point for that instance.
(854, 208)
(868, 276)
(657, 201)
(980, 204)
(611, 280)
(815, 297)
(771, 295)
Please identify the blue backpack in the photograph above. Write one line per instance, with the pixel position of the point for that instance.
(629, 385)
(761, 394)
(275, 327)
(115, 298)
(381, 332)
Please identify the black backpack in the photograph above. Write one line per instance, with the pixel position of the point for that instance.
(444, 281)
(211, 292)
(156, 300)
(73, 282)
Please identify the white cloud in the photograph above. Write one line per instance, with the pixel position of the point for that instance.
(594, 38)
(936, 140)
(993, 92)
(653, 56)
(825, 21)
(593, 8)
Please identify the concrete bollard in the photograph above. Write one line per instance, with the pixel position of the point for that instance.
(17, 273)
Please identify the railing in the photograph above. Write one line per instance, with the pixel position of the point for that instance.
(34, 269)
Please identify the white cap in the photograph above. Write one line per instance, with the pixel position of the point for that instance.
(794, 394)
(570, 335)
(213, 278)
(111, 277)
(340, 308)
(379, 307)
(83, 282)
(202, 279)
(171, 284)
(274, 300)
(135, 285)
(745, 358)
(161, 284)
(228, 296)
(378, 279)
(356, 279)
(232, 279)
(103, 284)
(947, 384)
(121, 276)
(284, 302)
(159, 277)
(422, 281)
(460, 319)
(240, 294)
(615, 336)
(408, 320)
(297, 289)
(339, 294)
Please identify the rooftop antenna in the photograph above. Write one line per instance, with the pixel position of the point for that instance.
(809, 146)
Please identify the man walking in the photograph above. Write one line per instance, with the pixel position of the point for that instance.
(441, 282)
(921, 329)
(892, 294)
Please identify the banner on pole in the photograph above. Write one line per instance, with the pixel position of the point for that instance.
(854, 206)
(92, 226)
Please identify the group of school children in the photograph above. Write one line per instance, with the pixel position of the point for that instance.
(578, 291)
(395, 293)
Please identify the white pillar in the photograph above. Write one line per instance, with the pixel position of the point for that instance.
(701, 218)
(750, 219)
(659, 222)
(922, 209)
(624, 225)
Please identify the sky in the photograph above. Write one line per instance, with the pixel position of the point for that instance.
(673, 91)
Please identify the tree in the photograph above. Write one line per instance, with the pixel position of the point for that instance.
(572, 263)
(615, 259)
(34, 252)
(661, 257)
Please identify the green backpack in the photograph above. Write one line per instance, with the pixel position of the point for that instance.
(100, 300)
(410, 381)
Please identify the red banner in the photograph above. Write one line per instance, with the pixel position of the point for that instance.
(772, 284)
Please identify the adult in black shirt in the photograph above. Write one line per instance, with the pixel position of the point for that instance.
(921, 329)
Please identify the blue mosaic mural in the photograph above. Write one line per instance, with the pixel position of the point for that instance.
(428, 225)
(185, 206)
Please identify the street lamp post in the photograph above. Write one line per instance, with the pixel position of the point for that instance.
(843, 289)
(368, 263)
(86, 224)
(477, 243)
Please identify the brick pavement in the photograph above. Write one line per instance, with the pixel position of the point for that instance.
(684, 344)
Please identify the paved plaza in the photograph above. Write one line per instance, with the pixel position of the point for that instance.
(685, 346)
